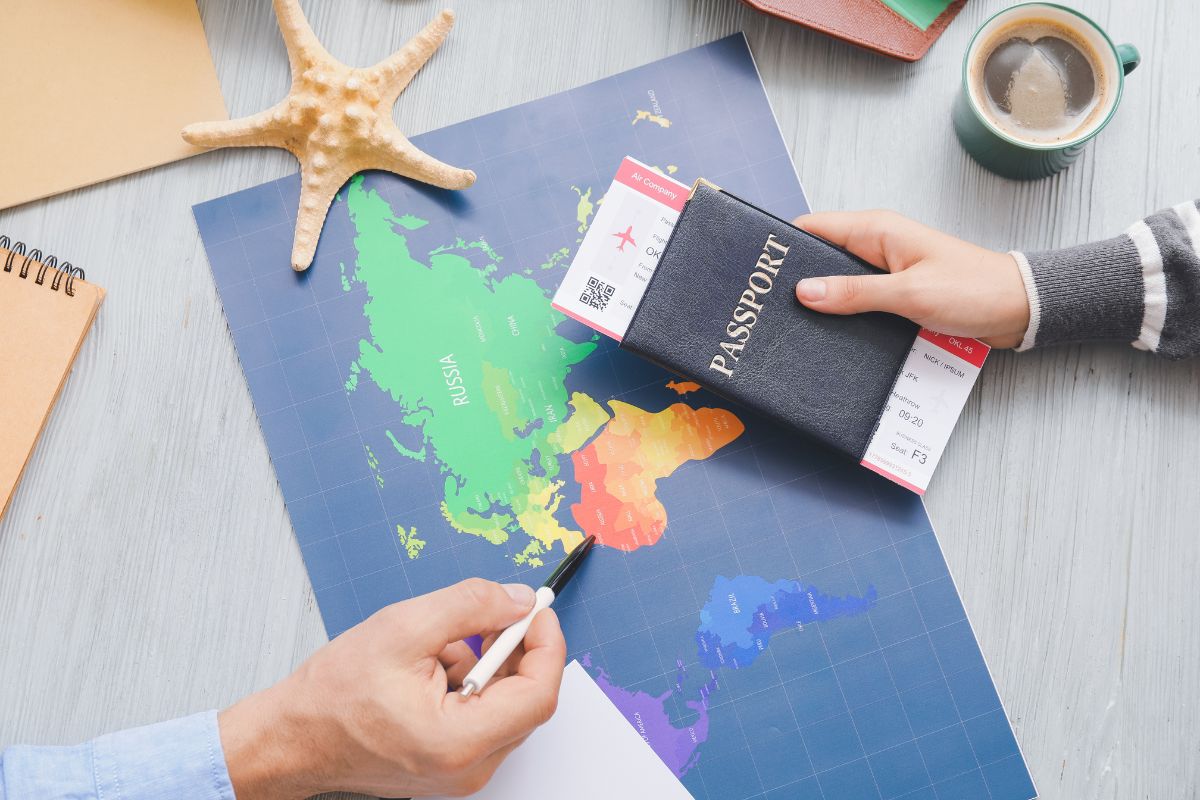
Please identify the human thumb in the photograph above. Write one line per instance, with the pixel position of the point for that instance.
(850, 294)
(471, 607)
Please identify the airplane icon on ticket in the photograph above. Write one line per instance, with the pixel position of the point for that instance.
(626, 238)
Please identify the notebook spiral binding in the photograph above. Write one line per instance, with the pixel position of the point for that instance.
(44, 264)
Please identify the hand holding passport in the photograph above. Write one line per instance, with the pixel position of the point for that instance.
(937, 280)
(716, 305)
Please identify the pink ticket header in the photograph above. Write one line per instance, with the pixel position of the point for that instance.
(641, 178)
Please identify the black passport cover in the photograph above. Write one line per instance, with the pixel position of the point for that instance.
(827, 376)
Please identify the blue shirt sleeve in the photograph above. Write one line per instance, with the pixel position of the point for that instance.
(178, 759)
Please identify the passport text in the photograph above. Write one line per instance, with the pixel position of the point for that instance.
(749, 307)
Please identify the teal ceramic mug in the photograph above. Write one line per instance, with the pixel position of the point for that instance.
(1003, 150)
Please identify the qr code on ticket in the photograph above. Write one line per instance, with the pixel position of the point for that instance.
(597, 293)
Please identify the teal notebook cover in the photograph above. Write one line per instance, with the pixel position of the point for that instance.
(921, 13)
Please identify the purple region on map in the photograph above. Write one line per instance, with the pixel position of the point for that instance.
(649, 716)
(736, 625)
(743, 612)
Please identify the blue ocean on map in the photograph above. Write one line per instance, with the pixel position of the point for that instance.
(775, 621)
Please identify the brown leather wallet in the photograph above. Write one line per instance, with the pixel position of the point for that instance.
(866, 23)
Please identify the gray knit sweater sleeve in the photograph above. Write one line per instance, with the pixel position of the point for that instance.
(1142, 287)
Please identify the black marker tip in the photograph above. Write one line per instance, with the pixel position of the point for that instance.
(566, 569)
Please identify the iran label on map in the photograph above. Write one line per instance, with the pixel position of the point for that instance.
(610, 271)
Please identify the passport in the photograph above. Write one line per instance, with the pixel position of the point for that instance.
(721, 309)
(702, 283)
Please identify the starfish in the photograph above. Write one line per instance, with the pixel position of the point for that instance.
(337, 121)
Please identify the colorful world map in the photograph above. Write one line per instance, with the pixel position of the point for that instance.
(773, 622)
(488, 399)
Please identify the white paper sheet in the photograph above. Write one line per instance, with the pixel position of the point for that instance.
(587, 751)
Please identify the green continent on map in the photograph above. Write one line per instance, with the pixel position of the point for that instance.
(473, 359)
(410, 542)
(584, 208)
(486, 388)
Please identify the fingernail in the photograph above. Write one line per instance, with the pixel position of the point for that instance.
(811, 289)
(520, 593)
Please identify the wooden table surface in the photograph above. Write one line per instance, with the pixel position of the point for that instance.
(147, 565)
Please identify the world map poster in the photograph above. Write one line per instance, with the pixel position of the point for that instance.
(775, 621)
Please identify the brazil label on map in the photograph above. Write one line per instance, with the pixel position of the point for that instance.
(774, 621)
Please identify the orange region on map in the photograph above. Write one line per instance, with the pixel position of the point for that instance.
(618, 471)
(683, 387)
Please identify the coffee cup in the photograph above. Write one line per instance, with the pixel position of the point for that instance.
(1039, 80)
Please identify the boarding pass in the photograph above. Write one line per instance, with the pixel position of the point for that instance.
(618, 255)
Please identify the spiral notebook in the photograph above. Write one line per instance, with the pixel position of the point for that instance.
(46, 309)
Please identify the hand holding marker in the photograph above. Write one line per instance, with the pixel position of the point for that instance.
(514, 634)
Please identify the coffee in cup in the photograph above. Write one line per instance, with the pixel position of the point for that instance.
(1040, 80)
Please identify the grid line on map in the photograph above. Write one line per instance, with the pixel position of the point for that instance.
(891, 678)
(291, 397)
(954, 700)
(363, 445)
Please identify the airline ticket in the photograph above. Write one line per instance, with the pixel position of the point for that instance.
(618, 255)
(924, 405)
